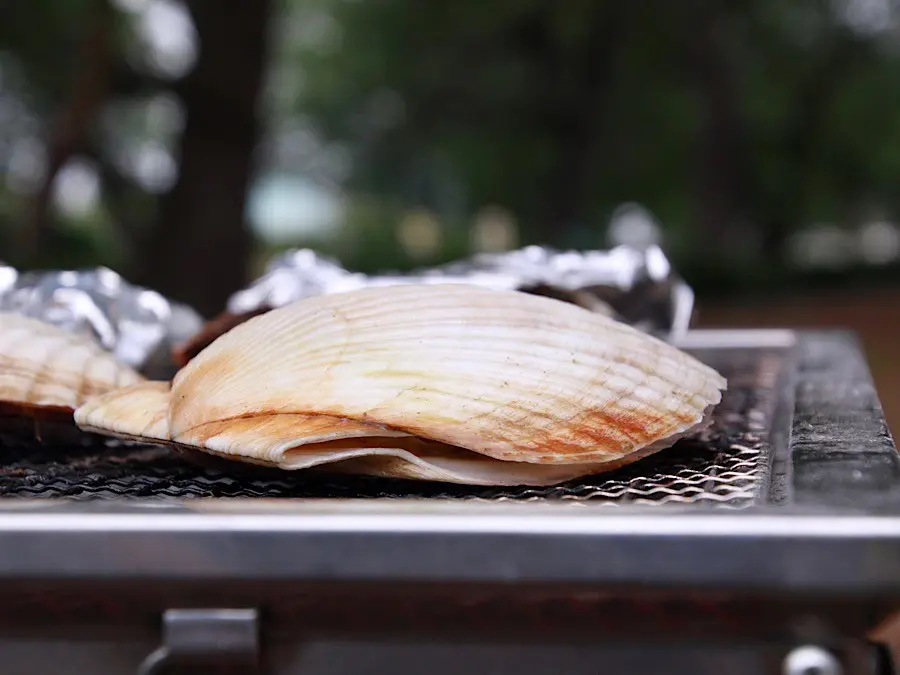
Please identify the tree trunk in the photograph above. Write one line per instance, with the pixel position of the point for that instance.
(579, 129)
(69, 132)
(198, 252)
(722, 180)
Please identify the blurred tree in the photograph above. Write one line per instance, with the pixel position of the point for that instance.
(196, 246)
(736, 123)
(199, 249)
(35, 84)
(71, 123)
(718, 116)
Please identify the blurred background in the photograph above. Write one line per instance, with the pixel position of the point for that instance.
(183, 143)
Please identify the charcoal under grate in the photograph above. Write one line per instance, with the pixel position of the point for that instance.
(726, 465)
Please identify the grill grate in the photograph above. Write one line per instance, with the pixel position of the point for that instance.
(727, 465)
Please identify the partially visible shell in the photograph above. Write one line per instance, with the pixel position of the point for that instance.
(294, 441)
(136, 412)
(45, 370)
(509, 375)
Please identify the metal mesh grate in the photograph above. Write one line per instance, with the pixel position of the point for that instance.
(726, 465)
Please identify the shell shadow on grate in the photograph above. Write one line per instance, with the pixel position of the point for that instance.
(726, 465)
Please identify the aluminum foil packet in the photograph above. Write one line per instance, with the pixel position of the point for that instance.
(636, 285)
(138, 325)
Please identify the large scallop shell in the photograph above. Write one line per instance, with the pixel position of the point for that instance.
(45, 370)
(517, 378)
(509, 375)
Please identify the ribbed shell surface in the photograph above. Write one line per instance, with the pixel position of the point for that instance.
(509, 375)
(139, 411)
(43, 366)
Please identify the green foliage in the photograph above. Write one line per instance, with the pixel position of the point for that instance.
(734, 122)
(485, 95)
(368, 241)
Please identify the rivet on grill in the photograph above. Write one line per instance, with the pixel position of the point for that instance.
(810, 660)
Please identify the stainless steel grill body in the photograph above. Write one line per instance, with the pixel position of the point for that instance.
(732, 553)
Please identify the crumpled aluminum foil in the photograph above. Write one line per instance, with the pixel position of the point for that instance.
(635, 285)
(138, 325)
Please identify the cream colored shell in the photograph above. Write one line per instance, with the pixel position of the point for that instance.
(45, 367)
(509, 375)
(443, 382)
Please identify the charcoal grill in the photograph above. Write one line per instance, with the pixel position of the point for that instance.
(769, 544)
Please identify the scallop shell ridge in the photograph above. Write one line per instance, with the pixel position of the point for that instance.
(509, 375)
(43, 366)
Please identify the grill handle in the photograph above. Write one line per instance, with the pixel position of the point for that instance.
(207, 640)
